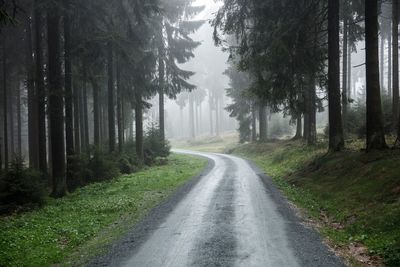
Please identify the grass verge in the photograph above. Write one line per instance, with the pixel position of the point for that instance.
(353, 197)
(70, 230)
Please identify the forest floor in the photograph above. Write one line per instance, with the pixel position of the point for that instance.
(71, 230)
(352, 198)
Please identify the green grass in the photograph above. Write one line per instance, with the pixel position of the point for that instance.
(354, 196)
(70, 230)
(209, 144)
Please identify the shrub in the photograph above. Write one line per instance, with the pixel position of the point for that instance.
(21, 188)
(79, 171)
(154, 145)
(102, 167)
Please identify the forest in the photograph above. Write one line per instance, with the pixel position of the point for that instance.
(108, 109)
(80, 74)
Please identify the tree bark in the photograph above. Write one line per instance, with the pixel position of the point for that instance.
(96, 113)
(32, 101)
(312, 116)
(111, 111)
(375, 132)
(191, 117)
(253, 124)
(395, 43)
(40, 91)
(161, 75)
(299, 128)
(85, 110)
(5, 104)
(217, 116)
(349, 74)
(19, 122)
(382, 61)
(69, 115)
(263, 123)
(119, 110)
(139, 127)
(336, 139)
(77, 112)
(211, 115)
(56, 103)
(344, 80)
(390, 66)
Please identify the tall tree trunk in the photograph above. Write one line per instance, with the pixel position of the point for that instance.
(263, 123)
(77, 112)
(390, 66)
(299, 128)
(217, 116)
(19, 122)
(139, 127)
(382, 61)
(119, 110)
(349, 73)
(395, 43)
(253, 124)
(312, 116)
(345, 59)
(40, 90)
(85, 109)
(32, 101)
(336, 139)
(161, 75)
(69, 115)
(375, 132)
(111, 110)
(211, 115)
(82, 129)
(96, 112)
(191, 117)
(11, 118)
(5, 104)
(56, 103)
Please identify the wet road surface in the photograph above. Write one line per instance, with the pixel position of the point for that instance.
(232, 215)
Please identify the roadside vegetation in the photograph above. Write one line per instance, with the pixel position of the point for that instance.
(74, 228)
(352, 197)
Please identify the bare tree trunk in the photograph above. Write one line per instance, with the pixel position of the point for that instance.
(395, 37)
(40, 90)
(161, 75)
(5, 105)
(69, 115)
(11, 118)
(390, 66)
(211, 115)
(382, 61)
(19, 122)
(349, 74)
(119, 110)
(299, 128)
(336, 139)
(111, 111)
(191, 117)
(345, 59)
(32, 101)
(77, 112)
(96, 113)
(139, 127)
(312, 116)
(263, 123)
(56, 103)
(85, 109)
(375, 132)
(217, 117)
(253, 124)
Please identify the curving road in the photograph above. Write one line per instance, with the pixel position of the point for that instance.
(231, 215)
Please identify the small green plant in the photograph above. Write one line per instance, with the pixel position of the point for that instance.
(21, 188)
